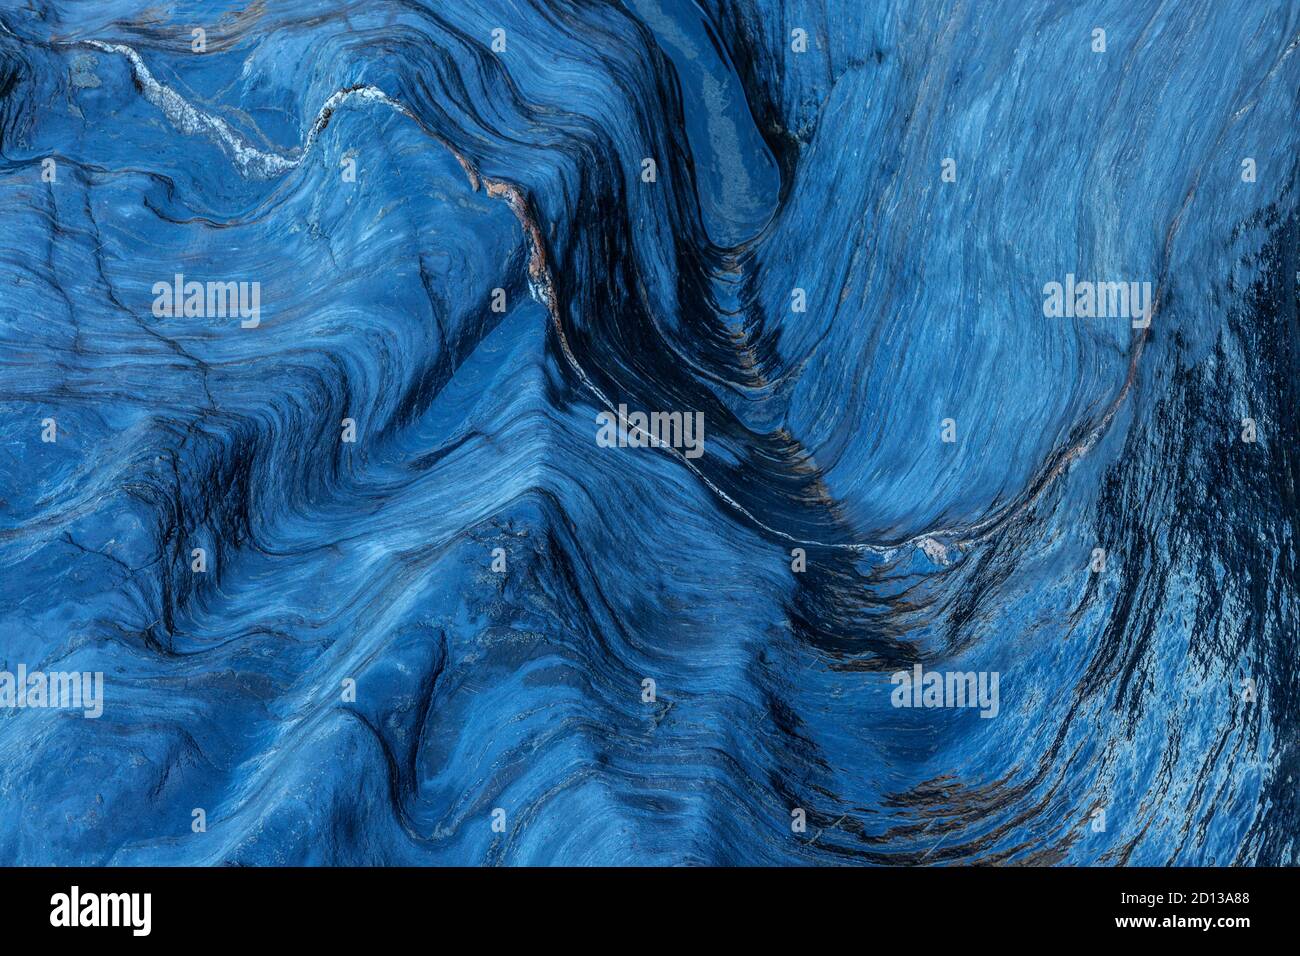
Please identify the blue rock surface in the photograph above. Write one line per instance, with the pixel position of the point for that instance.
(365, 586)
